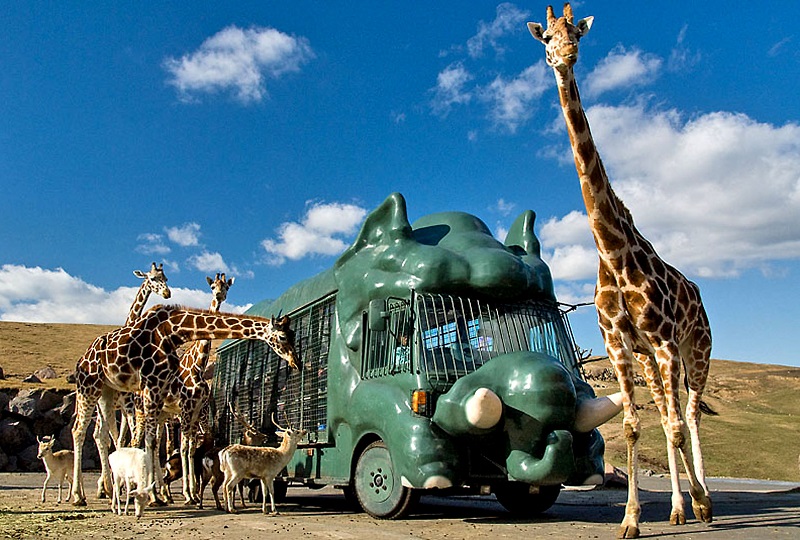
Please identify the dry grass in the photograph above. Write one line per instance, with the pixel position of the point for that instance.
(757, 432)
(756, 435)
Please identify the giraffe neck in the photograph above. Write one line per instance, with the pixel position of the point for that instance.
(201, 352)
(609, 220)
(185, 325)
(138, 304)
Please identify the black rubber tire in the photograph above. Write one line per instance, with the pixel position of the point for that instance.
(517, 498)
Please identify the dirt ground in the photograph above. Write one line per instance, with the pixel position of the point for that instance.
(743, 510)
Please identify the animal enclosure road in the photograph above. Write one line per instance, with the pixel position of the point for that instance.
(742, 510)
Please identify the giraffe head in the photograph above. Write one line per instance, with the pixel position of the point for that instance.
(219, 288)
(561, 37)
(281, 339)
(155, 280)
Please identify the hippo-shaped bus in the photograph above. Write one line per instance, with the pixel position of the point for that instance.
(434, 357)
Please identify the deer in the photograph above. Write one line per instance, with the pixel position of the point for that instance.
(130, 465)
(239, 461)
(59, 464)
(250, 437)
(206, 469)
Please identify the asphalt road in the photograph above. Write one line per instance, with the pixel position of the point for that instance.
(743, 509)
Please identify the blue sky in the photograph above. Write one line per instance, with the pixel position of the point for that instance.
(253, 138)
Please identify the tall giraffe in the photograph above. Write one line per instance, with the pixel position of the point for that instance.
(646, 308)
(144, 357)
(193, 391)
(153, 281)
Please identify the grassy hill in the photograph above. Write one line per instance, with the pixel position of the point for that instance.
(756, 435)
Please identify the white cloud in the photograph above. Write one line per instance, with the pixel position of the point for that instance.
(150, 243)
(715, 194)
(34, 294)
(509, 19)
(623, 68)
(209, 262)
(319, 233)
(239, 61)
(186, 235)
(450, 89)
(511, 100)
(504, 207)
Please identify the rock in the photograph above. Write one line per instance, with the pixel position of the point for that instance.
(3, 460)
(31, 379)
(614, 477)
(46, 373)
(2, 373)
(27, 459)
(24, 404)
(15, 435)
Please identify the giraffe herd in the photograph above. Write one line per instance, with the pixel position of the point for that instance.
(648, 311)
(142, 358)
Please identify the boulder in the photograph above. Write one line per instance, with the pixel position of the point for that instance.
(28, 461)
(2, 373)
(24, 404)
(46, 373)
(15, 435)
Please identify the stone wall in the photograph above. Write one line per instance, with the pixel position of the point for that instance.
(28, 413)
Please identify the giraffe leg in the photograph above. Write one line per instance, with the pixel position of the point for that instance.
(618, 352)
(701, 502)
(652, 375)
(105, 431)
(84, 405)
(152, 406)
(187, 463)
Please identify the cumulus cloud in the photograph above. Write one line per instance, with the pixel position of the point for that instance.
(34, 294)
(509, 19)
(451, 89)
(209, 262)
(623, 68)
(716, 194)
(239, 61)
(185, 235)
(151, 243)
(511, 99)
(321, 232)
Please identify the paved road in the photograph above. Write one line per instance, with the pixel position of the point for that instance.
(743, 510)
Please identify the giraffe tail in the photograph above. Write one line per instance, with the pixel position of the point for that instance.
(704, 407)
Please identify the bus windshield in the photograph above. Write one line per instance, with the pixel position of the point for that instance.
(457, 335)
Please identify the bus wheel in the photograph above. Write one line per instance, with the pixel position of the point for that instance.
(517, 498)
(378, 490)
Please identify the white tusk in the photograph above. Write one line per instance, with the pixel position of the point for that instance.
(596, 412)
(483, 408)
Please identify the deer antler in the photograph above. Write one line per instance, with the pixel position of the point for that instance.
(277, 425)
(241, 418)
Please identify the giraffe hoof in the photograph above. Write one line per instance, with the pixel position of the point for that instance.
(677, 518)
(79, 502)
(628, 531)
(703, 512)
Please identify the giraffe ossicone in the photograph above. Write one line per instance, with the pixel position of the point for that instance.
(646, 308)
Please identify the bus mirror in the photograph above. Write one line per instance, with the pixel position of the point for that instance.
(377, 315)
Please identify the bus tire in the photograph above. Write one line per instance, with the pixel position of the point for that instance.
(517, 498)
(379, 491)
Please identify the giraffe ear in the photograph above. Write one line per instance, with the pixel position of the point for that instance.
(210, 281)
(584, 25)
(139, 274)
(537, 31)
(230, 281)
